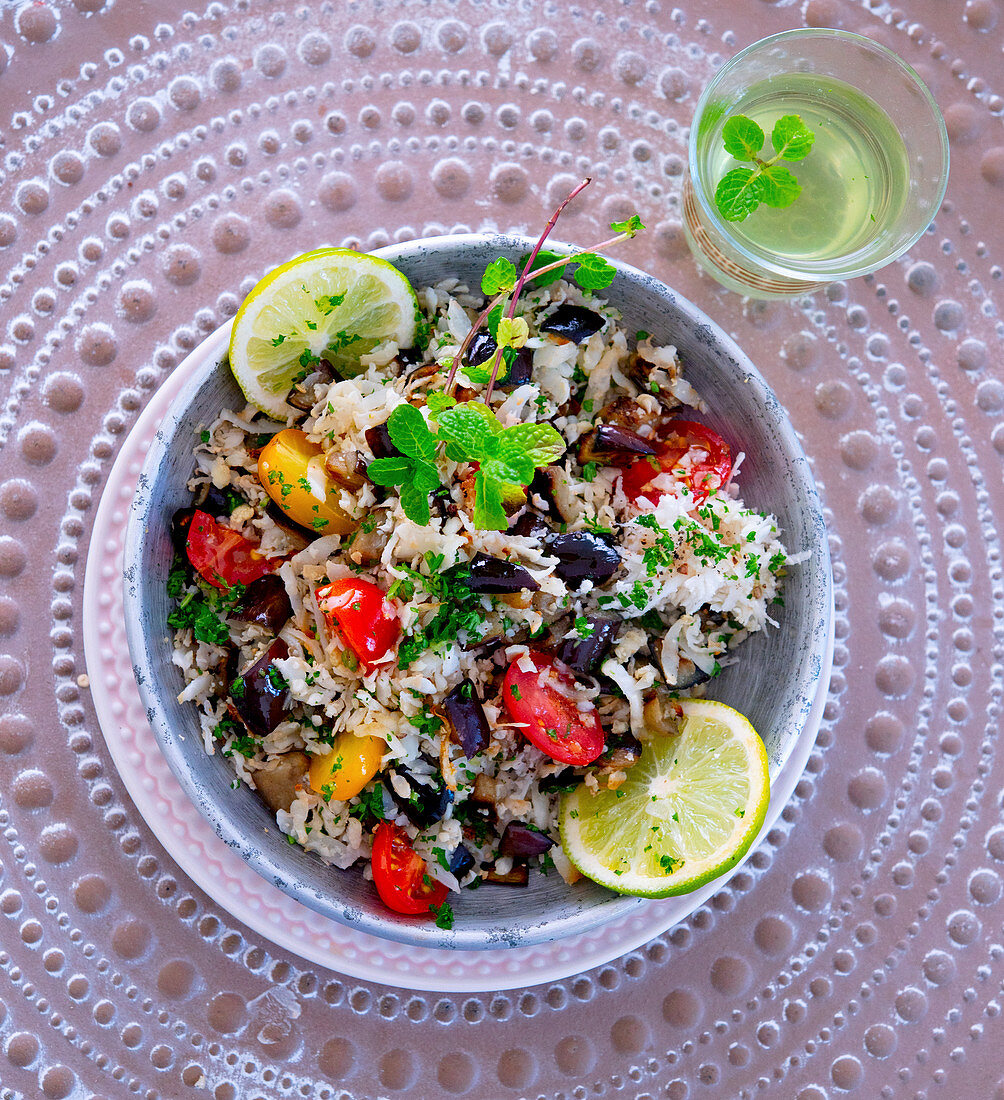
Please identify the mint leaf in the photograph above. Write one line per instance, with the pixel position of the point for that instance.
(511, 467)
(594, 272)
(513, 332)
(541, 443)
(632, 226)
(791, 138)
(489, 515)
(742, 137)
(778, 187)
(542, 259)
(492, 321)
(425, 476)
(469, 426)
(456, 453)
(415, 504)
(437, 400)
(390, 471)
(410, 433)
(499, 275)
(738, 194)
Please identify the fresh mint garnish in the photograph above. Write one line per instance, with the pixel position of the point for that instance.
(507, 458)
(499, 282)
(414, 474)
(741, 190)
(436, 401)
(500, 275)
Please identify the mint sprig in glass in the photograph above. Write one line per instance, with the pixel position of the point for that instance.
(741, 190)
(815, 155)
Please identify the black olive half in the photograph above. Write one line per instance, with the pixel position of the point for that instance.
(582, 555)
(481, 348)
(379, 442)
(461, 861)
(425, 805)
(259, 694)
(521, 840)
(495, 576)
(463, 710)
(585, 655)
(266, 602)
(575, 323)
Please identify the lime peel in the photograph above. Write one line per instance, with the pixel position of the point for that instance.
(688, 811)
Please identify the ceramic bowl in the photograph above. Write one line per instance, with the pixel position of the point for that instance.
(775, 681)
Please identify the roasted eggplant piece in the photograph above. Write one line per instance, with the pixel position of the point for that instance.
(585, 655)
(380, 443)
(575, 323)
(425, 805)
(259, 694)
(551, 484)
(530, 524)
(463, 710)
(518, 876)
(496, 576)
(484, 793)
(611, 443)
(277, 783)
(689, 675)
(522, 841)
(622, 752)
(662, 713)
(583, 555)
(346, 469)
(266, 602)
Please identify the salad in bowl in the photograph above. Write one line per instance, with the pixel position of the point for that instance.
(450, 582)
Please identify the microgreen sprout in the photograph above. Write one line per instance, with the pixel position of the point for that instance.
(504, 459)
(502, 281)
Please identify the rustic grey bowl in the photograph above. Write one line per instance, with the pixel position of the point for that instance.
(779, 677)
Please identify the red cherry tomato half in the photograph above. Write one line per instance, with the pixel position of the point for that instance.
(400, 874)
(696, 455)
(224, 557)
(359, 611)
(544, 702)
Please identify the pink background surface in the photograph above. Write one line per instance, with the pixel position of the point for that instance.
(156, 160)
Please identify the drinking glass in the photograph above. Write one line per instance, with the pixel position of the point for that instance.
(870, 185)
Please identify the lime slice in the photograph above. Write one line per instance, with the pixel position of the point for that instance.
(331, 304)
(687, 812)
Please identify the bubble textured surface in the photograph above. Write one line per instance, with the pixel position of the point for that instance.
(154, 162)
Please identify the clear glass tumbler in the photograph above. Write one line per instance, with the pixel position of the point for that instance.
(870, 184)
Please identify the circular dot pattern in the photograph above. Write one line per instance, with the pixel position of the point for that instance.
(148, 182)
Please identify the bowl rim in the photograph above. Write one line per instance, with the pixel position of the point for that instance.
(200, 364)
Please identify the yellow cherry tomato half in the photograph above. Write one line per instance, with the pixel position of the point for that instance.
(291, 470)
(347, 768)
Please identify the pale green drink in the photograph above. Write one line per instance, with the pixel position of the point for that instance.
(870, 184)
(854, 181)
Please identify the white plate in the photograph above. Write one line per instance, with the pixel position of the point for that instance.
(224, 876)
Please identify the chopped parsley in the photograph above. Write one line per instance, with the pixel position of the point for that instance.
(460, 610)
(443, 914)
